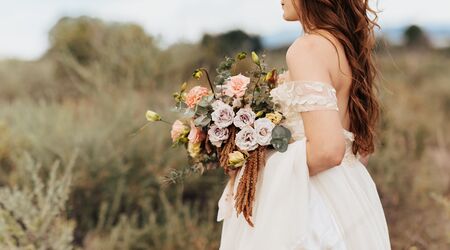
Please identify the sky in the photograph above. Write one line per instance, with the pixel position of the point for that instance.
(24, 24)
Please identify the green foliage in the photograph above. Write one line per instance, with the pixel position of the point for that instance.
(117, 197)
(230, 43)
(32, 215)
(86, 48)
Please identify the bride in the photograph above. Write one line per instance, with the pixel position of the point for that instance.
(318, 194)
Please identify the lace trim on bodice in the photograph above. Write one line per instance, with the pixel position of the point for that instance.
(302, 96)
(298, 96)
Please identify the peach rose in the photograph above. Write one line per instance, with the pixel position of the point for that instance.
(195, 95)
(236, 85)
(178, 130)
(196, 135)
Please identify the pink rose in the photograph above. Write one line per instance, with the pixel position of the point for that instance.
(236, 85)
(178, 130)
(196, 135)
(195, 95)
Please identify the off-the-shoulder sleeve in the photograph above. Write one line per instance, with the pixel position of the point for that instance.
(302, 96)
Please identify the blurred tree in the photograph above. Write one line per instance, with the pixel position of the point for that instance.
(415, 37)
(113, 53)
(228, 44)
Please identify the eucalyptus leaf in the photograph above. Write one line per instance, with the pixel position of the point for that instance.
(210, 98)
(280, 145)
(189, 113)
(206, 101)
(181, 106)
(202, 120)
(280, 138)
(199, 110)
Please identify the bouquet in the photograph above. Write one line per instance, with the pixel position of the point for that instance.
(229, 124)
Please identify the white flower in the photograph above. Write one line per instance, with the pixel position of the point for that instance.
(263, 128)
(220, 90)
(244, 117)
(217, 135)
(237, 102)
(246, 139)
(217, 103)
(223, 114)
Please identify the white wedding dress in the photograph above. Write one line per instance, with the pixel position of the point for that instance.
(336, 209)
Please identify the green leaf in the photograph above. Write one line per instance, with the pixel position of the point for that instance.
(280, 138)
(202, 121)
(199, 110)
(205, 101)
(189, 113)
(181, 106)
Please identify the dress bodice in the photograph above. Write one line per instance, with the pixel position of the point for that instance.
(294, 97)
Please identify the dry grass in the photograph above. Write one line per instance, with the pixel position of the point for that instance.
(117, 199)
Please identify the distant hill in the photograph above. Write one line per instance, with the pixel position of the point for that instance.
(438, 34)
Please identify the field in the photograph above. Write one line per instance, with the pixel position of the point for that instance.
(71, 177)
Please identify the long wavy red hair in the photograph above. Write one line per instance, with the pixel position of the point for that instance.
(350, 23)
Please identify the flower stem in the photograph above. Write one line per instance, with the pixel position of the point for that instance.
(256, 85)
(209, 81)
(145, 125)
(165, 122)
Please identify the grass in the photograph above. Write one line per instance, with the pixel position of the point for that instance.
(116, 199)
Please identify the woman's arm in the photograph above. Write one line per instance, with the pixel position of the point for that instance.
(308, 59)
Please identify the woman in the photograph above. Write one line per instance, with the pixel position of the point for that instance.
(318, 194)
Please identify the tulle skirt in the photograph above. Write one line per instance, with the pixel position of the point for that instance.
(336, 209)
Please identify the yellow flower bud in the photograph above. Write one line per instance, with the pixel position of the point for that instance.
(236, 159)
(268, 76)
(272, 76)
(255, 58)
(275, 117)
(260, 113)
(241, 55)
(194, 149)
(197, 74)
(183, 86)
(152, 116)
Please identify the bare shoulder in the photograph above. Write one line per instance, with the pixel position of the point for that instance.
(309, 58)
(312, 44)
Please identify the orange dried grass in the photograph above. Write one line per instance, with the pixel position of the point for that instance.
(246, 190)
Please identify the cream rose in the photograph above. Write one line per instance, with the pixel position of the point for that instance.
(244, 117)
(217, 135)
(223, 114)
(263, 128)
(236, 159)
(275, 117)
(246, 139)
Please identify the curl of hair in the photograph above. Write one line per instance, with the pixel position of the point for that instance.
(350, 23)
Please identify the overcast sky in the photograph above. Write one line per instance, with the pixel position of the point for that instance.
(24, 23)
